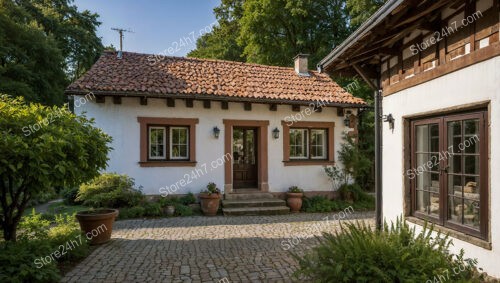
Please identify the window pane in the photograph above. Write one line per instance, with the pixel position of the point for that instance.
(318, 144)
(298, 143)
(179, 142)
(471, 213)
(455, 209)
(156, 143)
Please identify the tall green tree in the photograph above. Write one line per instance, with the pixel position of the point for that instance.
(221, 42)
(31, 64)
(274, 31)
(361, 10)
(45, 44)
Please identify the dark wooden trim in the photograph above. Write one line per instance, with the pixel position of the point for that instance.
(117, 100)
(207, 104)
(329, 126)
(247, 106)
(296, 108)
(144, 123)
(262, 151)
(100, 99)
(143, 100)
(189, 103)
(340, 112)
(450, 67)
(273, 107)
(224, 105)
(170, 102)
(365, 76)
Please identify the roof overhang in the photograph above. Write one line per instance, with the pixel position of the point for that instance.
(366, 27)
(213, 98)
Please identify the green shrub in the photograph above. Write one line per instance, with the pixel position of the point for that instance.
(67, 233)
(131, 212)
(69, 195)
(40, 247)
(183, 210)
(110, 190)
(188, 199)
(152, 209)
(317, 204)
(33, 226)
(20, 262)
(357, 253)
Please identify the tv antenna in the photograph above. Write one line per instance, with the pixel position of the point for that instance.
(121, 31)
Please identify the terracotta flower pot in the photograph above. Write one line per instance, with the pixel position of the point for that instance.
(169, 210)
(210, 204)
(294, 201)
(97, 224)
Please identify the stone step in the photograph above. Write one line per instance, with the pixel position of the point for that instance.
(243, 196)
(266, 202)
(274, 210)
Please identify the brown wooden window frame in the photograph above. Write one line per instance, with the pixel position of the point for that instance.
(166, 123)
(442, 217)
(309, 126)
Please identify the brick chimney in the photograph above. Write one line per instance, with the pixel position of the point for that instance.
(301, 64)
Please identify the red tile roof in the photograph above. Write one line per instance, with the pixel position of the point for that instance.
(140, 75)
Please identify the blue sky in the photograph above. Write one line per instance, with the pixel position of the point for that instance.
(167, 26)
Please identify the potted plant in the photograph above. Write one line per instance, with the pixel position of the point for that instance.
(97, 224)
(210, 200)
(294, 198)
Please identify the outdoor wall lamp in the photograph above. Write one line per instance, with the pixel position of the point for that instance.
(347, 119)
(389, 119)
(276, 133)
(216, 132)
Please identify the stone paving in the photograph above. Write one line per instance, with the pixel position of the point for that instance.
(207, 249)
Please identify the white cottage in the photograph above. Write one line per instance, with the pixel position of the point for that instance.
(436, 64)
(180, 123)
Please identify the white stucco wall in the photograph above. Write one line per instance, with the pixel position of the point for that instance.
(120, 122)
(479, 82)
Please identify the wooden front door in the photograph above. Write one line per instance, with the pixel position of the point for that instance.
(244, 158)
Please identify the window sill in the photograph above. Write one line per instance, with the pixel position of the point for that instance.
(308, 162)
(453, 233)
(167, 163)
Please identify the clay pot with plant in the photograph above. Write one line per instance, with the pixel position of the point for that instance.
(294, 198)
(97, 224)
(210, 199)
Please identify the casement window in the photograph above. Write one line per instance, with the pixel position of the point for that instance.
(308, 143)
(177, 145)
(448, 174)
(167, 142)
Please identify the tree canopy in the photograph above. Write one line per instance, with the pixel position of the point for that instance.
(274, 31)
(43, 147)
(45, 44)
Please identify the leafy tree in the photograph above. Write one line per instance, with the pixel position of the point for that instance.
(44, 44)
(273, 32)
(361, 10)
(43, 147)
(221, 42)
(30, 62)
(74, 32)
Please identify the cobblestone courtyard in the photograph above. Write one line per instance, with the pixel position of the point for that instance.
(204, 249)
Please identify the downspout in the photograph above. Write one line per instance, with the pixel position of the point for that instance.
(378, 152)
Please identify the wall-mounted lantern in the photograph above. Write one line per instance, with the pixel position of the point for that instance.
(216, 132)
(389, 119)
(276, 133)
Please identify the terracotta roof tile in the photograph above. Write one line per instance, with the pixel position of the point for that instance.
(135, 75)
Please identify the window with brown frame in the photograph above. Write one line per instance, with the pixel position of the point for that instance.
(308, 143)
(448, 175)
(167, 142)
